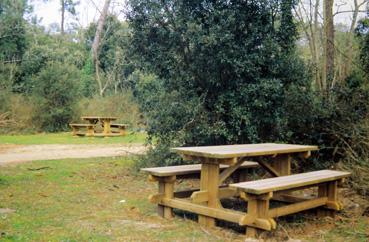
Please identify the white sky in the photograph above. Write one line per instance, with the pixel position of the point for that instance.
(87, 12)
(49, 11)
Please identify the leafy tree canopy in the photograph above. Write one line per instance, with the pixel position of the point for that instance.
(225, 68)
(56, 95)
(45, 48)
(12, 29)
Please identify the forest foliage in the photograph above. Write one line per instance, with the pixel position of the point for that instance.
(229, 73)
(192, 73)
(47, 80)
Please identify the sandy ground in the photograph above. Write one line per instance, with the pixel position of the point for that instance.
(17, 153)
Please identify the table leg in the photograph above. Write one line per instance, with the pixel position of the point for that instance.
(282, 164)
(107, 130)
(210, 182)
(90, 131)
(75, 130)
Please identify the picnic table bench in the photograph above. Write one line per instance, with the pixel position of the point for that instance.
(166, 176)
(259, 193)
(220, 162)
(105, 123)
(121, 128)
(187, 171)
(77, 127)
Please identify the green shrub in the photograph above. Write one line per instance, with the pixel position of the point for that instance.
(326, 122)
(15, 109)
(223, 71)
(18, 112)
(4, 100)
(45, 49)
(13, 29)
(56, 94)
(122, 105)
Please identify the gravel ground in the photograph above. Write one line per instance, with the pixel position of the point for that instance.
(22, 153)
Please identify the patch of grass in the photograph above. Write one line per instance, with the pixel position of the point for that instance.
(67, 138)
(84, 200)
(353, 230)
(102, 199)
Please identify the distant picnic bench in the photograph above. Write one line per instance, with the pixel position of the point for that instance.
(218, 163)
(90, 129)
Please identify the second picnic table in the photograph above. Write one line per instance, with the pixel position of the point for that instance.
(105, 121)
(211, 157)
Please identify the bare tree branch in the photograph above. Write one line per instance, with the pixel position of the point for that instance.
(96, 45)
(97, 8)
(349, 11)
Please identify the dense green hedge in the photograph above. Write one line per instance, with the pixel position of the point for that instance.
(227, 72)
(56, 95)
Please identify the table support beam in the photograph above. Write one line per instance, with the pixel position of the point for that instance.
(269, 168)
(202, 196)
(297, 207)
(219, 213)
(227, 172)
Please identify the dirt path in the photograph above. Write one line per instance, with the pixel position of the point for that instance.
(22, 153)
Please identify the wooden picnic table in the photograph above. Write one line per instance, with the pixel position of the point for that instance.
(211, 157)
(105, 121)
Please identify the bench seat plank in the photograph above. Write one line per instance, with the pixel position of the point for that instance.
(286, 182)
(189, 169)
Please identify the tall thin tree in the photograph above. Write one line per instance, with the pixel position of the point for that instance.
(66, 6)
(96, 45)
(328, 46)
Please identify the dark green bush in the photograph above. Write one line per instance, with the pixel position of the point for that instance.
(327, 122)
(56, 93)
(13, 29)
(224, 70)
(227, 73)
(43, 50)
(122, 105)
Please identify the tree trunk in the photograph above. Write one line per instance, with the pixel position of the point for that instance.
(328, 46)
(62, 16)
(96, 45)
(315, 34)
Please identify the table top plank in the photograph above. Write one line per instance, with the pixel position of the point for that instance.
(243, 150)
(82, 125)
(98, 117)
